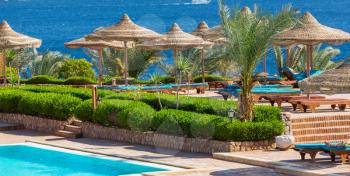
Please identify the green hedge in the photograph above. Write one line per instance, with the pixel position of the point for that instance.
(84, 111)
(42, 79)
(209, 78)
(266, 113)
(49, 105)
(248, 131)
(136, 116)
(200, 105)
(78, 81)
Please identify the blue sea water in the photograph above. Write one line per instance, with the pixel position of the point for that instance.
(59, 21)
(33, 161)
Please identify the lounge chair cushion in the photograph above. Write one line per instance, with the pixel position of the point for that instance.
(310, 146)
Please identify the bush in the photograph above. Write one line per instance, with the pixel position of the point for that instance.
(76, 67)
(183, 123)
(79, 81)
(42, 79)
(108, 111)
(248, 131)
(84, 111)
(199, 105)
(209, 78)
(50, 105)
(167, 79)
(9, 100)
(119, 81)
(136, 116)
(266, 113)
(81, 93)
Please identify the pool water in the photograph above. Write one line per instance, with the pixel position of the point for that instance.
(31, 160)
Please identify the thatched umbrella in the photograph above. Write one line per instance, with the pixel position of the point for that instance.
(201, 31)
(97, 45)
(9, 39)
(125, 31)
(175, 39)
(329, 82)
(312, 33)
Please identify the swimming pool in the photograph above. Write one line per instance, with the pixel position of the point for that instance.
(38, 160)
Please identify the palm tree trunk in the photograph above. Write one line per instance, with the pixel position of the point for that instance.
(246, 101)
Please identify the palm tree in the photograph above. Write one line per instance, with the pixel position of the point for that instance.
(20, 60)
(47, 64)
(113, 63)
(322, 58)
(249, 36)
(218, 61)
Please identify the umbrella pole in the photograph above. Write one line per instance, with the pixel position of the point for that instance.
(100, 55)
(126, 69)
(4, 62)
(202, 59)
(287, 56)
(175, 57)
(309, 59)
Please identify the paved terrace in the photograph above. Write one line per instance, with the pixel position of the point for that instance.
(204, 163)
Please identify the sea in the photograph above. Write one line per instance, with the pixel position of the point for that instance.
(59, 21)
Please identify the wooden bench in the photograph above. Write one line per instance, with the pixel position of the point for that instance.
(344, 155)
(294, 100)
(313, 104)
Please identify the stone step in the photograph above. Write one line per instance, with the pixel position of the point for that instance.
(322, 130)
(72, 128)
(67, 134)
(76, 123)
(322, 137)
(320, 124)
(321, 118)
(10, 126)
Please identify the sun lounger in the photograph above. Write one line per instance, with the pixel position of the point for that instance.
(200, 87)
(294, 100)
(261, 92)
(292, 75)
(313, 104)
(311, 149)
(343, 152)
(333, 149)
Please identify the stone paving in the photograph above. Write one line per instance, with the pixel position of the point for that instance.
(322, 165)
(211, 166)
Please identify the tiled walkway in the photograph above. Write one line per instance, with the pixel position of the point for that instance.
(322, 165)
(211, 166)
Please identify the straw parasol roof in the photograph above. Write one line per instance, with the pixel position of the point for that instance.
(9, 39)
(201, 30)
(176, 39)
(96, 44)
(125, 30)
(312, 32)
(330, 82)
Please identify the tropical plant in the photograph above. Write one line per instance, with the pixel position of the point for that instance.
(48, 63)
(76, 67)
(113, 61)
(248, 38)
(218, 61)
(322, 58)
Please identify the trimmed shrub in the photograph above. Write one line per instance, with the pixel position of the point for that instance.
(183, 123)
(167, 79)
(50, 105)
(266, 113)
(248, 131)
(209, 78)
(136, 116)
(200, 105)
(84, 111)
(108, 111)
(9, 100)
(119, 80)
(42, 79)
(78, 81)
(81, 93)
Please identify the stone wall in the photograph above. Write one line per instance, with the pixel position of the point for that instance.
(160, 141)
(32, 122)
(171, 142)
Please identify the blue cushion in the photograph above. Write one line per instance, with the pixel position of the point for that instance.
(310, 146)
